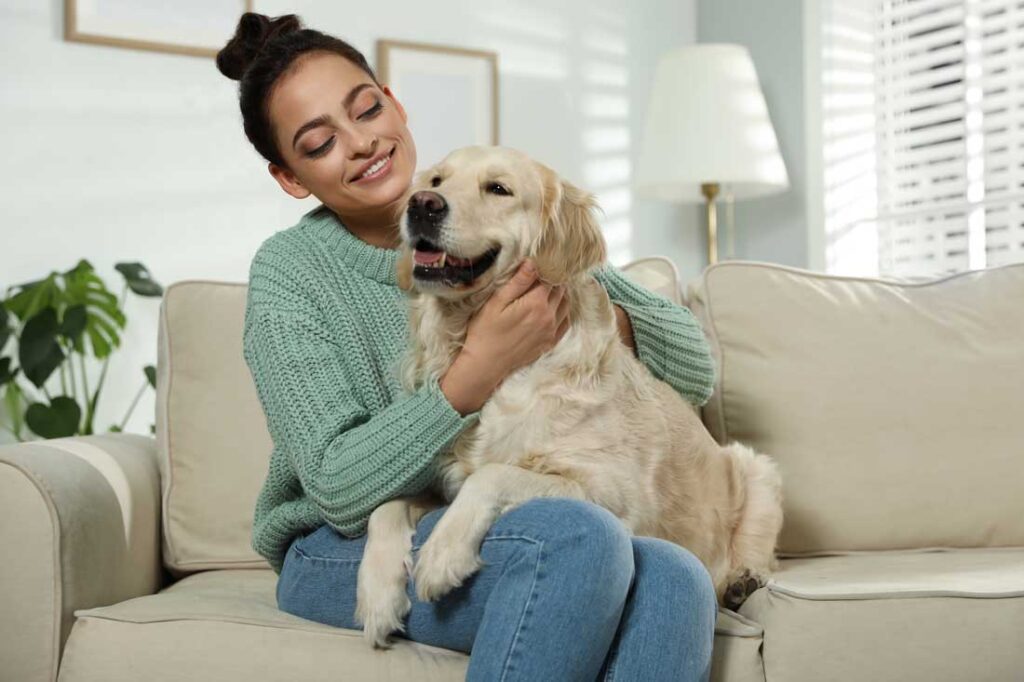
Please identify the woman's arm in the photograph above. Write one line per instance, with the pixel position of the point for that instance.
(348, 459)
(668, 338)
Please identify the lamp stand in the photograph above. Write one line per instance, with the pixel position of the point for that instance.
(710, 191)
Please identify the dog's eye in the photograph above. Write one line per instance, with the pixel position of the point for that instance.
(435, 181)
(495, 188)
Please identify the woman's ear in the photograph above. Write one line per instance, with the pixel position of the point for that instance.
(289, 183)
(571, 242)
(401, 109)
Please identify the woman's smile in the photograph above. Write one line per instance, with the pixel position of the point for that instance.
(377, 170)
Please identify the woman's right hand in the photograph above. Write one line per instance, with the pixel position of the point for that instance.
(519, 322)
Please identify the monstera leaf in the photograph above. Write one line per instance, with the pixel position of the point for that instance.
(39, 353)
(58, 419)
(139, 279)
(84, 288)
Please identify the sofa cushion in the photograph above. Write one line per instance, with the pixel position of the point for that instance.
(906, 616)
(893, 408)
(212, 437)
(225, 625)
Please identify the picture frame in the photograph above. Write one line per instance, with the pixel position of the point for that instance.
(199, 28)
(451, 95)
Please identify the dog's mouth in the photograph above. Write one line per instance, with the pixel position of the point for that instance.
(432, 264)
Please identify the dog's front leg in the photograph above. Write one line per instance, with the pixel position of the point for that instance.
(451, 553)
(381, 602)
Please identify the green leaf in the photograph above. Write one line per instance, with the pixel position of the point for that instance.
(38, 352)
(12, 399)
(73, 324)
(150, 371)
(139, 280)
(5, 371)
(103, 317)
(5, 332)
(56, 420)
(34, 296)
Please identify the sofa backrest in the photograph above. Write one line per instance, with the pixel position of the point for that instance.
(895, 409)
(212, 437)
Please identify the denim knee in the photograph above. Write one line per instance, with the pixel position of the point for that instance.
(680, 568)
(586, 534)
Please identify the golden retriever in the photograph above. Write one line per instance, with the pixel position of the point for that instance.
(586, 420)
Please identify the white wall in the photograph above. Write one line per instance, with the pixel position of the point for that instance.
(122, 155)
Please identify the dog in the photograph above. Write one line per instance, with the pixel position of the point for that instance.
(586, 420)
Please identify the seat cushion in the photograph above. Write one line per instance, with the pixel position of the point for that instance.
(893, 408)
(900, 615)
(225, 625)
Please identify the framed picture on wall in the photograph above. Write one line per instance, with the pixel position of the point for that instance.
(449, 93)
(193, 27)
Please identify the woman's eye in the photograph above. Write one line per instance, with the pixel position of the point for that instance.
(372, 111)
(435, 181)
(321, 150)
(495, 188)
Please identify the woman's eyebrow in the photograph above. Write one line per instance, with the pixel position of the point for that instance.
(324, 119)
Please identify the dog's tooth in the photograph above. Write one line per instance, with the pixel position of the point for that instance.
(444, 257)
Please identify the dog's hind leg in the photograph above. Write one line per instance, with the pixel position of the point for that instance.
(756, 532)
(381, 601)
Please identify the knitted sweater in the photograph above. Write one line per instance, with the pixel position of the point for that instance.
(325, 326)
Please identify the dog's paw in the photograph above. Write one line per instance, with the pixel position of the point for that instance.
(741, 587)
(441, 567)
(381, 607)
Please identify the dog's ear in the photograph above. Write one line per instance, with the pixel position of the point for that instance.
(571, 241)
(403, 269)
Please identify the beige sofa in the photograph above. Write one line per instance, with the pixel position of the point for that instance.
(896, 411)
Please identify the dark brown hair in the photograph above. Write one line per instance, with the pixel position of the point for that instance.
(263, 49)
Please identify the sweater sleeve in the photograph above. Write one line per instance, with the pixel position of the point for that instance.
(669, 339)
(347, 459)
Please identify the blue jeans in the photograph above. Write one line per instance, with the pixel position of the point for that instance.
(566, 593)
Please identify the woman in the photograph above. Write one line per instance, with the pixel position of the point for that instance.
(566, 592)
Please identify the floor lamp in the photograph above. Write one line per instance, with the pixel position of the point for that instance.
(707, 128)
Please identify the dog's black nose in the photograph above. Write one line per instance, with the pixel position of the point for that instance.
(427, 207)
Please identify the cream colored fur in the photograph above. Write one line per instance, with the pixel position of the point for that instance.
(587, 420)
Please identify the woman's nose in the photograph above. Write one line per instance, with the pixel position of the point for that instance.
(361, 144)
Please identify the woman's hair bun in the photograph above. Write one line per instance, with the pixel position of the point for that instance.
(251, 34)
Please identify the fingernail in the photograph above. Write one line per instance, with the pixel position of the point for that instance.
(530, 267)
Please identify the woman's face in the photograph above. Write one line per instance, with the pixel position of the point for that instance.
(330, 122)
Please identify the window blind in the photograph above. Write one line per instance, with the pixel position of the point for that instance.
(922, 127)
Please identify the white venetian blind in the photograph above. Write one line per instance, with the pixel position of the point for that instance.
(923, 118)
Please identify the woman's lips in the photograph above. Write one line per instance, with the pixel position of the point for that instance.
(384, 170)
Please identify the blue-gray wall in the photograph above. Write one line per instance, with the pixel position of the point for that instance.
(777, 228)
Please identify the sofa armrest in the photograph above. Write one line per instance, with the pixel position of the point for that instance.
(79, 528)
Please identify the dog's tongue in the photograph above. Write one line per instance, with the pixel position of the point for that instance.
(432, 257)
(427, 257)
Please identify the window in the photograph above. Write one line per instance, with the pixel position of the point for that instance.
(923, 134)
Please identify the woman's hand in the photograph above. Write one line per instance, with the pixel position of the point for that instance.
(519, 322)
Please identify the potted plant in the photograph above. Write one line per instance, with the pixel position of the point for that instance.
(49, 321)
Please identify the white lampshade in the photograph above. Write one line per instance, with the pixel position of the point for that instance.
(707, 122)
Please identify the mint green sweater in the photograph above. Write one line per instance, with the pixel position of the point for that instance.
(325, 326)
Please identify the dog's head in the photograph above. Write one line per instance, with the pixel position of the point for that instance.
(471, 219)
